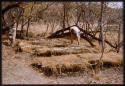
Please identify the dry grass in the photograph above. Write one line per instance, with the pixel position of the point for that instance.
(56, 58)
(56, 50)
(30, 33)
(73, 63)
(58, 65)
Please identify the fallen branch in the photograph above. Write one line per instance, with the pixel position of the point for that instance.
(85, 35)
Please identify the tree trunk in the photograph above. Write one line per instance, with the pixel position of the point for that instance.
(101, 28)
(118, 45)
(46, 29)
(29, 20)
(27, 28)
(99, 64)
(21, 32)
(64, 12)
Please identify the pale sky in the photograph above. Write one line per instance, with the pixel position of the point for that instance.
(115, 4)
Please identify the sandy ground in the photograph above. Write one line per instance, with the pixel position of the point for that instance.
(16, 69)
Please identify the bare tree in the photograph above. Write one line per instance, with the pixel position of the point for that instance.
(99, 64)
(22, 26)
(119, 33)
(64, 14)
(47, 26)
(29, 19)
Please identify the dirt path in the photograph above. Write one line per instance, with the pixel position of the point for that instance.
(15, 70)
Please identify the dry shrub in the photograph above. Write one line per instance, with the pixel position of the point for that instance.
(43, 53)
(67, 64)
(17, 47)
(113, 58)
(109, 60)
(60, 45)
(25, 46)
(30, 34)
(40, 35)
(60, 65)
(58, 69)
(57, 51)
(35, 48)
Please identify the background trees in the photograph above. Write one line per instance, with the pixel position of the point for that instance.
(60, 15)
